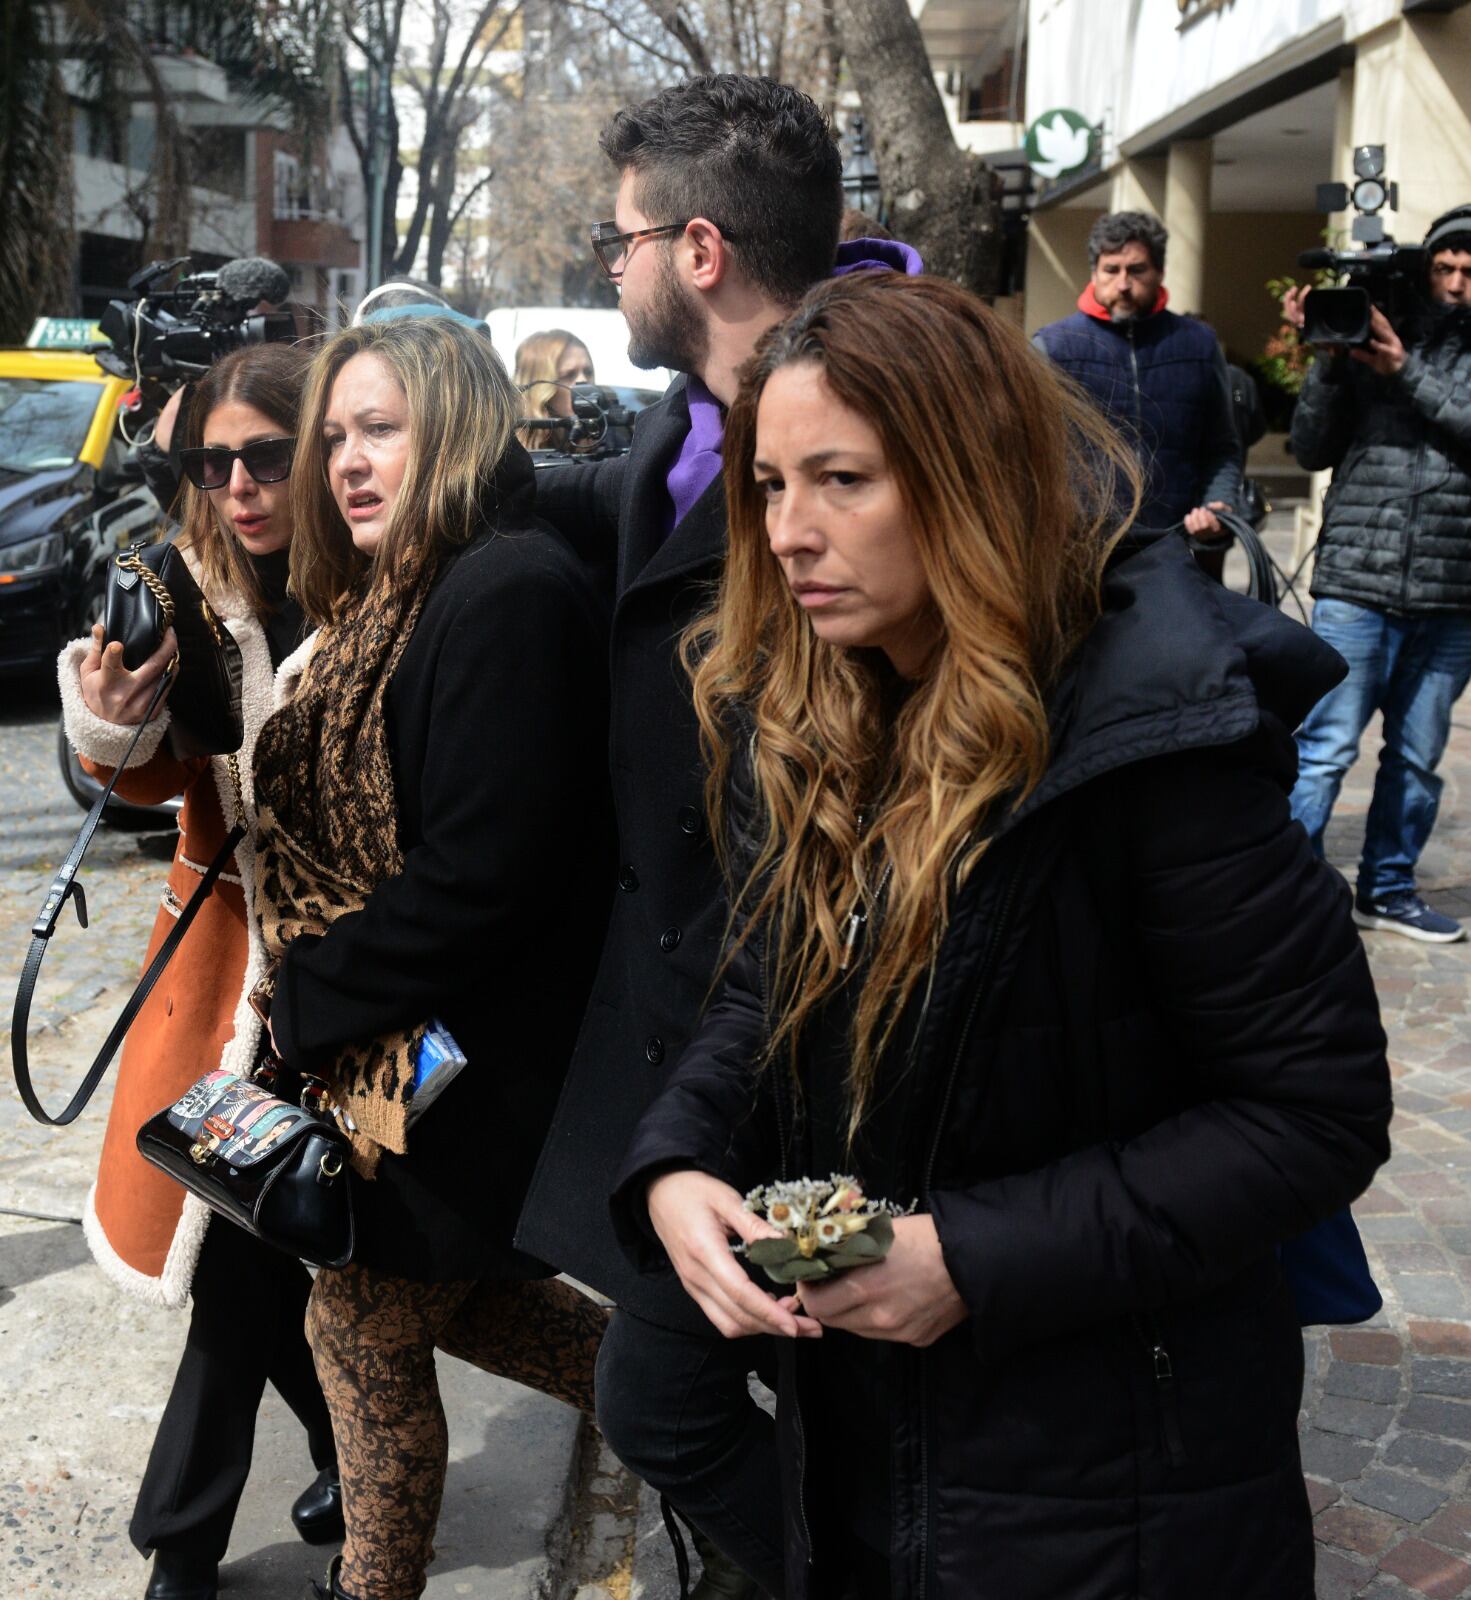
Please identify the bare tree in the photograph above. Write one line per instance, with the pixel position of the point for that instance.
(450, 85)
(793, 40)
(942, 200)
(35, 178)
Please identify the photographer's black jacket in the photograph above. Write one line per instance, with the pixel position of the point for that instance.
(1397, 520)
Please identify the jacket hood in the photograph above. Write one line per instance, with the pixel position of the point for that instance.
(891, 253)
(1176, 662)
(1089, 306)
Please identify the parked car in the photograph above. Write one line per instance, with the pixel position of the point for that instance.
(61, 465)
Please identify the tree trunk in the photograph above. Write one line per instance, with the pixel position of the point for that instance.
(943, 201)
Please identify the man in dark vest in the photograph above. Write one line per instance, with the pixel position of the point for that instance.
(1392, 577)
(1160, 378)
(728, 209)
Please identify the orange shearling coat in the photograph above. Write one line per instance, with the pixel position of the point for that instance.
(144, 1229)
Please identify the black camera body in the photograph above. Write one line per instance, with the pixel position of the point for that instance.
(600, 426)
(1383, 274)
(177, 333)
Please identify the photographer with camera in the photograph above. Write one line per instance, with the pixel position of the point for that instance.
(1392, 580)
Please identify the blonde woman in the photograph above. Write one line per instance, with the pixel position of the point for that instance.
(547, 365)
(436, 847)
(247, 1300)
(1024, 937)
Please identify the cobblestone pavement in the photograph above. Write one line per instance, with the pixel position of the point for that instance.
(1386, 1436)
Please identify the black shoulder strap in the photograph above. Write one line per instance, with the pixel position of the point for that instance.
(65, 887)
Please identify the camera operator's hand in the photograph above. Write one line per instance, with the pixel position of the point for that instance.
(111, 691)
(1384, 353)
(1292, 310)
(163, 429)
(1203, 521)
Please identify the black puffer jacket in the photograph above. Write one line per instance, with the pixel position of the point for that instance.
(1397, 521)
(1151, 1051)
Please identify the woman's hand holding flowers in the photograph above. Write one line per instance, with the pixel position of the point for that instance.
(696, 1216)
(908, 1298)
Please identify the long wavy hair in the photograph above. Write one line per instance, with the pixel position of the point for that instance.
(462, 412)
(1010, 484)
(270, 379)
(538, 360)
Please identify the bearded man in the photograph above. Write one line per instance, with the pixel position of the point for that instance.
(728, 209)
(1160, 378)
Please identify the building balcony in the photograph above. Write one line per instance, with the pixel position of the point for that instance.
(305, 239)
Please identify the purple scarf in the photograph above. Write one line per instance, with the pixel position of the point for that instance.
(698, 463)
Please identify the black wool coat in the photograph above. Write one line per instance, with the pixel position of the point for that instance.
(494, 924)
(1151, 1052)
(668, 913)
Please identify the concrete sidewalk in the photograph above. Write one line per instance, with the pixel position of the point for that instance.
(85, 1371)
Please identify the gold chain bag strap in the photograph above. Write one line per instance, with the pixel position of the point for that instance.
(150, 590)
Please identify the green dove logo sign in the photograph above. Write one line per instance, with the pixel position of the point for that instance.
(1059, 142)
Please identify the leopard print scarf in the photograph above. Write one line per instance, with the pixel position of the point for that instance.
(328, 829)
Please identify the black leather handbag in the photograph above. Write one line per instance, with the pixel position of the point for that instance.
(273, 1167)
(150, 589)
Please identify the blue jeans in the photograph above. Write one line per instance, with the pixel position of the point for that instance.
(1413, 669)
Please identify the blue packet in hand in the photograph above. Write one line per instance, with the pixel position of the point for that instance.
(436, 1065)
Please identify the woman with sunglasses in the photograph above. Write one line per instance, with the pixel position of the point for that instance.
(151, 1238)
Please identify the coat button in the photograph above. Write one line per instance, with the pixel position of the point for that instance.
(689, 820)
(654, 1048)
(628, 880)
(669, 939)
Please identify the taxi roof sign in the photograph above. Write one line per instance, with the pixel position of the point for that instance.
(63, 333)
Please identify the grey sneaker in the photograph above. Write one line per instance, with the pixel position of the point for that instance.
(1408, 914)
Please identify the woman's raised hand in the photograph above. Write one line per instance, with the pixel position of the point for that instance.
(909, 1297)
(111, 691)
(696, 1216)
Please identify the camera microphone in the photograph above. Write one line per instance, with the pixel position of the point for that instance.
(253, 278)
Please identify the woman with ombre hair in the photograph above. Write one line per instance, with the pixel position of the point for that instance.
(435, 851)
(1024, 940)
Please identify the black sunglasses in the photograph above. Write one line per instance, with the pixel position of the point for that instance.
(266, 460)
(611, 247)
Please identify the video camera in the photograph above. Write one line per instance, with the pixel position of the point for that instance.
(600, 426)
(176, 334)
(1381, 273)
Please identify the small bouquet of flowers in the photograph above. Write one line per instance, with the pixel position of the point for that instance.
(827, 1226)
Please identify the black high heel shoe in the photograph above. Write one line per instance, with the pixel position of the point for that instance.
(317, 1510)
(179, 1576)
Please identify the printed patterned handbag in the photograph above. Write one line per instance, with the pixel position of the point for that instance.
(277, 1169)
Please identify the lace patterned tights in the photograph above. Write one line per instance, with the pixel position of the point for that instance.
(374, 1337)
